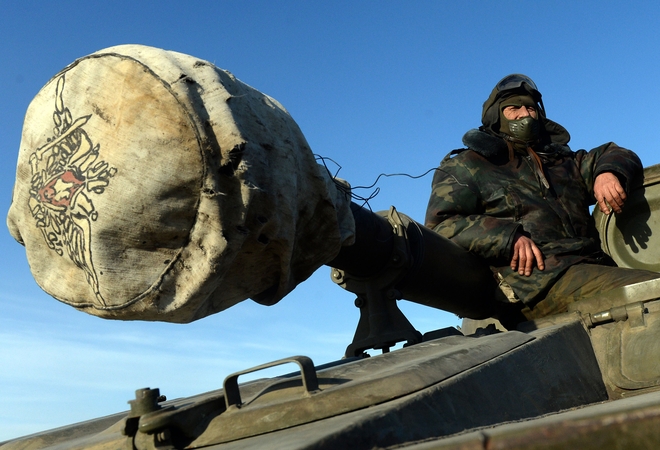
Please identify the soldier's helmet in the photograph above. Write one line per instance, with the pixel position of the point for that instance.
(519, 84)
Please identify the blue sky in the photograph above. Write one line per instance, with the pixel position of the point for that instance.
(378, 86)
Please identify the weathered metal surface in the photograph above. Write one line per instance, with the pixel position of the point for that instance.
(513, 386)
(625, 424)
(79, 435)
(633, 237)
(357, 385)
(429, 390)
(523, 389)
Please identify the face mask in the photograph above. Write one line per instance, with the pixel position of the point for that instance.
(525, 129)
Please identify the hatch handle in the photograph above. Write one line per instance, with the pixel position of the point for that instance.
(307, 369)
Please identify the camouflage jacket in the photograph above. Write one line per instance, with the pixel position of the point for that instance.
(481, 199)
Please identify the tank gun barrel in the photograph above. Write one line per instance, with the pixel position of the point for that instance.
(422, 266)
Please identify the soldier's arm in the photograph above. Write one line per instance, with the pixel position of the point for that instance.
(455, 211)
(609, 171)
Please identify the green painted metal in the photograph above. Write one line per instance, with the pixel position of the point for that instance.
(588, 378)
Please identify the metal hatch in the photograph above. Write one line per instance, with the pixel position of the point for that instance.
(436, 388)
(632, 237)
(280, 403)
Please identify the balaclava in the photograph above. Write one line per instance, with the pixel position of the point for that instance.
(525, 130)
(515, 89)
(523, 135)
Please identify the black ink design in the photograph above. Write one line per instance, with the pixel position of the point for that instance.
(65, 172)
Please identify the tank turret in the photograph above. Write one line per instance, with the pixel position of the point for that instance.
(225, 229)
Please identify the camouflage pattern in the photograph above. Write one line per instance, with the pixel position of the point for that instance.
(584, 281)
(481, 199)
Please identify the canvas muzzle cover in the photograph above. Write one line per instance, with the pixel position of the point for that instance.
(152, 185)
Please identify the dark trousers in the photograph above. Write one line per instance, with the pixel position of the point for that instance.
(583, 281)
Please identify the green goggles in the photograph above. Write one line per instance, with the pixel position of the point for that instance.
(514, 81)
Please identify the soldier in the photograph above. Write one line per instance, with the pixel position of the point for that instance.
(519, 197)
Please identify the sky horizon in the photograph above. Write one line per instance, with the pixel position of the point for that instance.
(378, 87)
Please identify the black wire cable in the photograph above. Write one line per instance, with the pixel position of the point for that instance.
(376, 191)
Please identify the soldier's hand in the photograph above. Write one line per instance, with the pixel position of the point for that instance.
(609, 193)
(525, 255)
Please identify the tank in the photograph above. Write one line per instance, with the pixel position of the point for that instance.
(587, 378)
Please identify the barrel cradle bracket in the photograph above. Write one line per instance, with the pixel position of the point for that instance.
(382, 324)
